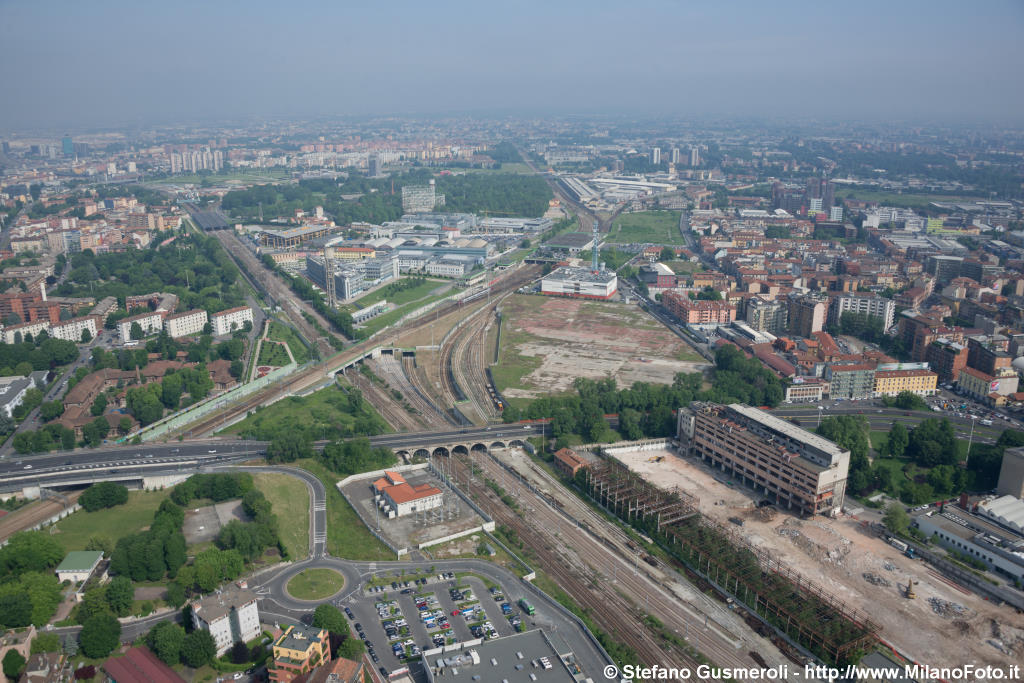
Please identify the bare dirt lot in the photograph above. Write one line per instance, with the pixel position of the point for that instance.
(411, 530)
(548, 342)
(943, 626)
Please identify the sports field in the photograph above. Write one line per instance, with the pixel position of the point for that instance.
(646, 227)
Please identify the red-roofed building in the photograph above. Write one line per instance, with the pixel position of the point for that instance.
(568, 462)
(396, 497)
(139, 665)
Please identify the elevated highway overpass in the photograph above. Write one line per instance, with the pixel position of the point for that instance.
(153, 465)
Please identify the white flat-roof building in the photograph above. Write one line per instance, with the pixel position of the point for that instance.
(230, 615)
(71, 330)
(232, 319)
(580, 283)
(12, 392)
(151, 323)
(185, 323)
(16, 333)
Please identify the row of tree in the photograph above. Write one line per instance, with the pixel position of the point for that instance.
(41, 353)
(647, 409)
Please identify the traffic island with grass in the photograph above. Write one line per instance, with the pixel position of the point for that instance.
(315, 584)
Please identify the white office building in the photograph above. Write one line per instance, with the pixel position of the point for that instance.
(185, 324)
(230, 320)
(230, 615)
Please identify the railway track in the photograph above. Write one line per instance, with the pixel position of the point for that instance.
(315, 374)
(607, 605)
(393, 413)
(393, 372)
(605, 548)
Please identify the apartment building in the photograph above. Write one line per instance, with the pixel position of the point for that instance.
(851, 381)
(796, 468)
(698, 311)
(895, 382)
(230, 320)
(71, 330)
(767, 316)
(185, 323)
(869, 304)
(806, 315)
(230, 615)
(151, 323)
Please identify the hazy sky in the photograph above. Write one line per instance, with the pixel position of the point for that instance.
(76, 64)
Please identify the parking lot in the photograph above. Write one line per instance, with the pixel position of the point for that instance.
(400, 618)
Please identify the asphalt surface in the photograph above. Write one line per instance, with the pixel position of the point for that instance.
(276, 604)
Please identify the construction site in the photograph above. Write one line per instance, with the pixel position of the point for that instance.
(855, 572)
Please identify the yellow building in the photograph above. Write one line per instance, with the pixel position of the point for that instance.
(894, 382)
(298, 650)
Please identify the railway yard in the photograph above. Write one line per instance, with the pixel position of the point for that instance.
(598, 564)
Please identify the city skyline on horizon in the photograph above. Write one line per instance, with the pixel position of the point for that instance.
(193, 63)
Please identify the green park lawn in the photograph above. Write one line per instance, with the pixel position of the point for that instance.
(315, 584)
(289, 499)
(347, 536)
(283, 333)
(653, 227)
(272, 354)
(402, 297)
(381, 321)
(74, 531)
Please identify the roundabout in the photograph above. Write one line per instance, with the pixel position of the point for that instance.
(315, 584)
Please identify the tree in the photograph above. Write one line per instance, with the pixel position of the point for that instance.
(120, 594)
(85, 673)
(135, 331)
(98, 405)
(898, 439)
(51, 410)
(239, 653)
(175, 594)
(95, 431)
(351, 648)
(667, 254)
(124, 425)
(45, 642)
(100, 635)
(198, 648)
(15, 610)
(14, 662)
(103, 495)
(289, 446)
(165, 640)
(330, 617)
(86, 336)
(896, 519)
(30, 551)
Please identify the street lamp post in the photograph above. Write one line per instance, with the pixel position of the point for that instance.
(820, 409)
(970, 440)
